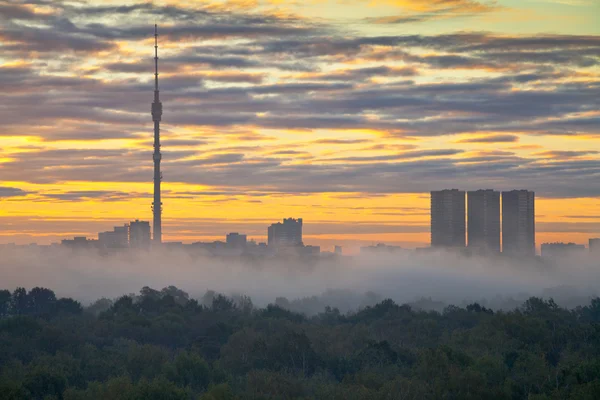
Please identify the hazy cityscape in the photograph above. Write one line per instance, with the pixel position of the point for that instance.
(299, 200)
(486, 229)
(448, 232)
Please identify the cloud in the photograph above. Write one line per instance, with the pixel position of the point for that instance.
(443, 5)
(576, 3)
(294, 87)
(96, 195)
(400, 156)
(10, 11)
(11, 192)
(490, 139)
(565, 153)
(426, 10)
(340, 141)
(32, 39)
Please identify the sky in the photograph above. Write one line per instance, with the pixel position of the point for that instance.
(343, 112)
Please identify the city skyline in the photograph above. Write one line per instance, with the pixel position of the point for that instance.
(271, 112)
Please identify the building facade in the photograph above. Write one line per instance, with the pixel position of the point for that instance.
(139, 234)
(483, 220)
(448, 218)
(518, 222)
(288, 233)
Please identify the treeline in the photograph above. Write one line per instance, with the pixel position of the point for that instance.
(161, 344)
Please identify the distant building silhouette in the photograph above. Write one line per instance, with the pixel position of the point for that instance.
(561, 250)
(139, 234)
(80, 242)
(594, 246)
(118, 238)
(518, 222)
(448, 218)
(288, 233)
(483, 220)
(380, 248)
(311, 250)
(338, 250)
(235, 240)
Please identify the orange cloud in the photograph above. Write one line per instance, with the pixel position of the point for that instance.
(426, 10)
(463, 6)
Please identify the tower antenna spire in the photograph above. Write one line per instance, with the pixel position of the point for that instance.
(156, 117)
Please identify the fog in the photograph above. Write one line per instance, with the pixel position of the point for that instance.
(347, 283)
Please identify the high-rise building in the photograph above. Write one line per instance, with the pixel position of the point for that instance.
(448, 218)
(518, 222)
(139, 234)
(236, 240)
(483, 220)
(288, 233)
(118, 238)
(594, 245)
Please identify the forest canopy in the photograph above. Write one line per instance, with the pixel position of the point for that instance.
(162, 344)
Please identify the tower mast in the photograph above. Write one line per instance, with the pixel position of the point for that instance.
(156, 117)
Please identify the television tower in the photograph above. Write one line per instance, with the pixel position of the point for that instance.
(156, 117)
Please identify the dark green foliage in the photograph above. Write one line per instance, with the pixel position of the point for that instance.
(5, 298)
(189, 370)
(162, 345)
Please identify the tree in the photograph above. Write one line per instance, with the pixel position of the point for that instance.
(219, 392)
(5, 298)
(68, 306)
(123, 305)
(19, 302)
(189, 370)
(99, 306)
(221, 303)
(244, 304)
(43, 381)
(149, 293)
(41, 301)
(145, 361)
(159, 389)
(177, 294)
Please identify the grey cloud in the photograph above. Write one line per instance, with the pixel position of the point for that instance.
(18, 11)
(400, 156)
(235, 28)
(216, 159)
(491, 139)
(370, 176)
(172, 142)
(340, 141)
(216, 61)
(103, 195)
(45, 40)
(358, 74)
(565, 153)
(11, 192)
(139, 67)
